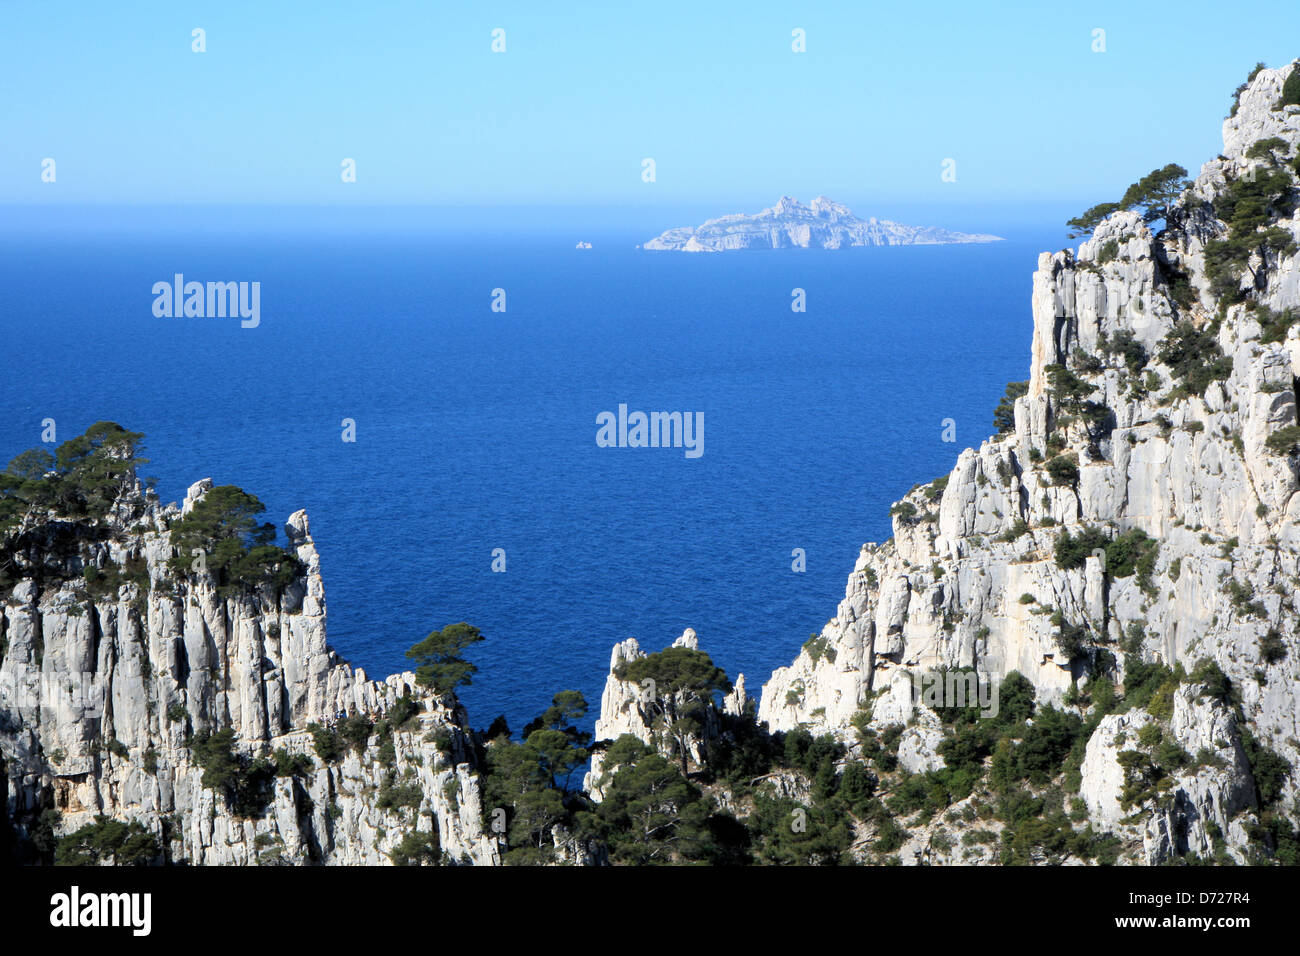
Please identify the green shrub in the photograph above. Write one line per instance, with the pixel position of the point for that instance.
(1290, 90)
(1274, 326)
(1019, 528)
(418, 848)
(1242, 597)
(1073, 551)
(107, 841)
(1271, 647)
(327, 743)
(934, 490)
(818, 647)
(1284, 440)
(1249, 206)
(1071, 639)
(1133, 552)
(905, 512)
(1214, 682)
(356, 730)
(1063, 470)
(244, 781)
(393, 795)
(1068, 389)
(403, 710)
(1194, 357)
(1270, 768)
(292, 765)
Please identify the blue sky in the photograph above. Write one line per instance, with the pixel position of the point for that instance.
(732, 117)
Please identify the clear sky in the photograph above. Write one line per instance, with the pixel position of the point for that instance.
(1012, 91)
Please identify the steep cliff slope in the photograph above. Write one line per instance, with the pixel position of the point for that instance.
(121, 671)
(1142, 511)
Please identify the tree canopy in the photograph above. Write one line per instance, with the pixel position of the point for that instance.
(1004, 416)
(1091, 218)
(1153, 195)
(107, 841)
(82, 479)
(236, 549)
(532, 780)
(676, 670)
(439, 661)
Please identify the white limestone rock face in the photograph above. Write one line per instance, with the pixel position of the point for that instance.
(1103, 777)
(918, 746)
(970, 577)
(1203, 806)
(620, 713)
(98, 696)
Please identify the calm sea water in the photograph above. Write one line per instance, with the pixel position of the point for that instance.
(476, 430)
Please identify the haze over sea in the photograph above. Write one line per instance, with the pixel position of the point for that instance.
(476, 430)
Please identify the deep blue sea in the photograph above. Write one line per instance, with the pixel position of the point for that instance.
(475, 430)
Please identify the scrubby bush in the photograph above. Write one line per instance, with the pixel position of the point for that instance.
(905, 512)
(1072, 551)
(107, 841)
(819, 647)
(1290, 91)
(326, 742)
(1194, 357)
(1271, 647)
(1133, 552)
(292, 765)
(1249, 206)
(1063, 470)
(245, 781)
(417, 848)
(1284, 440)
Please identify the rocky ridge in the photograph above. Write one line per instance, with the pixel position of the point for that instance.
(824, 224)
(100, 699)
(1170, 445)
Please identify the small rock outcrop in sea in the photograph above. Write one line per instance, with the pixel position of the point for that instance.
(790, 224)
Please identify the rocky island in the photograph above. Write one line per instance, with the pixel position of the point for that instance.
(790, 224)
(1118, 564)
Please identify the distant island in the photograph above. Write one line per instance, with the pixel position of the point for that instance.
(825, 224)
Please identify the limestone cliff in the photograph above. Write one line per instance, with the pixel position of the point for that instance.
(101, 697)
(1155, 387)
